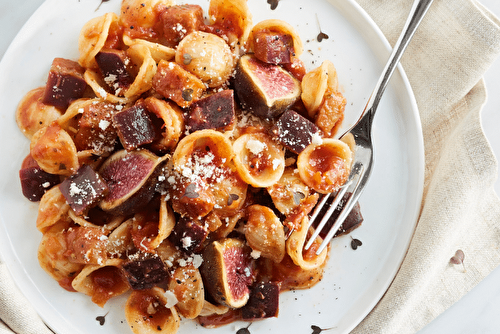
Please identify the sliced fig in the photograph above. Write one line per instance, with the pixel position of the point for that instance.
(265, 89)
(145, 271)
(65, 83)
(34, 180)
(83, 190)
(295, 131)
(215, 111)
(263, 302)
(228, 270)
(273, 47)
(113, 66)
(178, 21)
(188, 235)
(131, 178)
(134, 126)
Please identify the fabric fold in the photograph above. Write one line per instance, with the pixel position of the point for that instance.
(15, 309)
(445, 62)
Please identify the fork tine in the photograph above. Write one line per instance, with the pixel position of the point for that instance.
(338, 197)
(349, 204)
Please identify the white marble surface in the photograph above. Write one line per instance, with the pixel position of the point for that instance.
(478, 311)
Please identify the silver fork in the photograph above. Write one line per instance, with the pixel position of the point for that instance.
(363, 161)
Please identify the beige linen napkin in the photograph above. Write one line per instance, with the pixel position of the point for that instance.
(454, 46)
(445, 62)
(15, 310)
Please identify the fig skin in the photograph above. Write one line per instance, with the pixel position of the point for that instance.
(267, 90)
(141, 191)
(228, 283)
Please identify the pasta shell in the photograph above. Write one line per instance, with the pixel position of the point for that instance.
(141, 56)
(139, 17)
(173, 122)
(289, 191)
(264, 232)
(315, 84)
(149, 232)
(210, 309)
(32, 114)
(93, 37)
(95, 82)
(52, 209)
(52, 258)
(101, 282)
(146, 312)
(200, 163)
(278, 26)
(120, 240)
(207, 56)
(233, 17)
(325, 167)
(109, 226)
(307, 260)
(187, 285)
(158, 51)
(259, 160)
(54, 150)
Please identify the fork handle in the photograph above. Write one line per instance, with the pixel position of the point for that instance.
(417, 12)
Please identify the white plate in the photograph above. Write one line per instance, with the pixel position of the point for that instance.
(354, 280)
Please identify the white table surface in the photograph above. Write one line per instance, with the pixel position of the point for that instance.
(479, 310)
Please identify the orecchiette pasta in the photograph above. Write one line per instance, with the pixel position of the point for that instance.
(280, 27)
(141, 56)
(265, 233)
(93, 38)
(52, 209)
(158, 51)
(32, 114)
(259, 160)
(325, 167)
(233, 17)
(146, 311)
(187, 285)
(54, 150)
(154, 176)
(52, 256)
(207, 56)
(307, 260)
(101, 282)
(315, 84)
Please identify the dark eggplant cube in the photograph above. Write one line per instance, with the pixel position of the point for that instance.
(65, 83)
(213, 112)
(179, 21)
(188, 235)
(112, 64)
(84, 189)
(145, 272)
(294, 131)
(263, 302)
(35, 182)
(134, 126)
(352, 221)
(273, 48)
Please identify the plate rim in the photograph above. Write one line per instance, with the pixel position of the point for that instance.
(7, 249)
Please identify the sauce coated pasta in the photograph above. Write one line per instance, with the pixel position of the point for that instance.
(178, 159)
